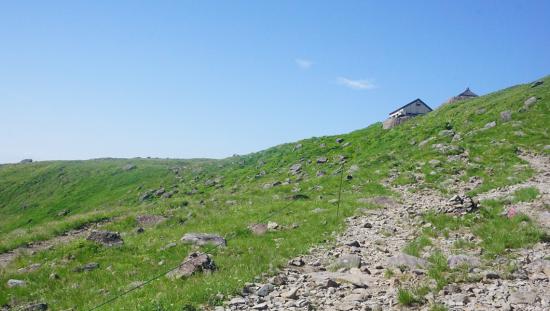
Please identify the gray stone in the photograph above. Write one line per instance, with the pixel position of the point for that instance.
(322, 160)
(272, 226)
(237, 301)
(505, 116)
(446, 133)
(16, 283)
(346, 261)
(490, 125)
(194, 263)
(25, 161)
(265, 290)
(296, 168)
(87, 267)
(201, 239)
(455, 261)
(491, 275)
(40, 306)
(409, 261)
(106, 238)
(523, 297)
(530, 101)
(258, 229)
(128, 167)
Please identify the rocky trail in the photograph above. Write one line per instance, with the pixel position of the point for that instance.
(365, 267)
(537, 210)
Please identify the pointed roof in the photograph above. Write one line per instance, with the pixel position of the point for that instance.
(414, 101)
(467, 93)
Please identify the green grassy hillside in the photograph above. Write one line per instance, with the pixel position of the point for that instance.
(41, 200)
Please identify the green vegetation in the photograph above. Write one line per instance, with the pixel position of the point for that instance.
(406, 297)
(415, 247)
(525, 195)
(41, 200)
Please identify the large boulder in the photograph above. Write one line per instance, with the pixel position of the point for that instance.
(203, 239)
(194, 263)
(106, 238)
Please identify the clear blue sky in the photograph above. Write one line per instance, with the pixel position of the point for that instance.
(180, 79)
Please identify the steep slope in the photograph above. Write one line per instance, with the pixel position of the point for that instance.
(467, 146)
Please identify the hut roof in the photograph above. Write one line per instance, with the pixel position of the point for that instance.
(467, 93)
(414, 101)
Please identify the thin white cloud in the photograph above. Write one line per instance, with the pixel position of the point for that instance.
(357, 84)
(303, 63)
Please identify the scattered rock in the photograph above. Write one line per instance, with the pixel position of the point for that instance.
(203, 239)
(409, 261)
(295, 169)
(505, 116)
(40, 306)
(455, 261)
(64, 212)
(298, 262)
(265, 290)
(490, 125)
(425, 142)
(523, 297)
(530, 102)
(149, 220)
(291, 294)
(339, 140)
(272, 226)
(87, 267)
(346, 261)
(446, 133)
(16, 283)
(106, 238)
(128, 167)
(194, 263)
(322, 160)
(491, 275)
(258, 229)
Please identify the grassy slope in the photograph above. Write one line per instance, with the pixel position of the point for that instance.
(97, 189)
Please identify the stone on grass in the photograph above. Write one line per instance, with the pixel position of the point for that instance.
(271, 226)
(258, 229)
(16, 283)
(201, 239)
(106, 238)
(194, 263)
(530, 101)
(505, 116)
(128, 167)
(40, 306)
(87, 267)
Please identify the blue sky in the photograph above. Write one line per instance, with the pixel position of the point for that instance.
(181, 79)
